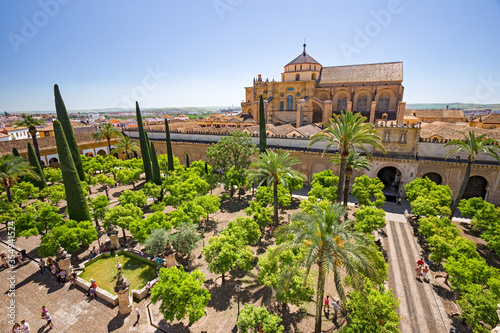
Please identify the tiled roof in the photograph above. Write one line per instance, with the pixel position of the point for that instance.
(436, 113)
(48, 142)
(451, 131)
(381, 72)
(303, 58)
(308, 130)
(256, 128)
(492, 118)
(282, 130)
(13, 129)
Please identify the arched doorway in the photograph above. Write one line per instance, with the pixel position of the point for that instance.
(391, 177)
(435, 177)
(317, 114)
(54, 162)
(101, 152)
(476, 187)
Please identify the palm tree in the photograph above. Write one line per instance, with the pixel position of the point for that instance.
(332, 245)
(30, 122)
(107, 131)
(347, 132)
(11, 169)
(471, 146)
(274, 169)
(353, 162)
(127, 146)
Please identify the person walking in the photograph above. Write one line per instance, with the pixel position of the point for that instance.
(62, 275)
(335, 309)
(327, 303)
(44, 310)
(418, 271)
(41, 264)
(138, 313)
(16, 328)
(399, 201)
(25, 326)
(270, 229)
(420, 262)
(424, 272)
(49, 320)
(53, 270)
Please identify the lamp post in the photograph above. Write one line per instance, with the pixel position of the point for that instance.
(289, 217)
(237, 288)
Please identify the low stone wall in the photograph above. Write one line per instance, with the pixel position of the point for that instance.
(107, 296)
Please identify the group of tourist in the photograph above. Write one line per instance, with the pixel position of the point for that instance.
(334, 304)
(24, 327)
(422, 269)
(54, 269)
(5, 260)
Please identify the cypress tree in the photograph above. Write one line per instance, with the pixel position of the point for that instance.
(154, 164)
(262, 127)
(62, 116)
(15, 152)
(170, 155)
(187, 161)
(146, 159)
(77, 204)
(34, 162)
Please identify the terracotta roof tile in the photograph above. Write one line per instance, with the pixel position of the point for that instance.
(303, 58)
(48, 142)
(381, 72)
(451, 131)
(282, 130)
(492, 118)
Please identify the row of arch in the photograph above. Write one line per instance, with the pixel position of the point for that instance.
(385, 99)
(391, 177)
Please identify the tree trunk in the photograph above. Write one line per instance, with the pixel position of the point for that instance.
(462, 189)
(9, 195)
(35, 144)
(124, 236)
(275, 190)
(346, 187)
(106, 189)
(222, 278)
(133, 185)
(341, 177)
(320, 291)
(109, 146)
(97, 224)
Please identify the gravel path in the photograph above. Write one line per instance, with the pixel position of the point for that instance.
(420, 308)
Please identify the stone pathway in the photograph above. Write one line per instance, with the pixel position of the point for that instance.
(420, 308)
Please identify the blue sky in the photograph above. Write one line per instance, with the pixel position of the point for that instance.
(203, 52)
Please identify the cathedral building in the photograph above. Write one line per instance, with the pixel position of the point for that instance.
(310, 93)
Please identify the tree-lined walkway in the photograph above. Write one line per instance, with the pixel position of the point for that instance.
(420, 309)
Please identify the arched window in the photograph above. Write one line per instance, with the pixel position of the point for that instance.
(297, 77)
(383, 103)
(342, 104)
(289, 103)
(361, 103)
(313, 76)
